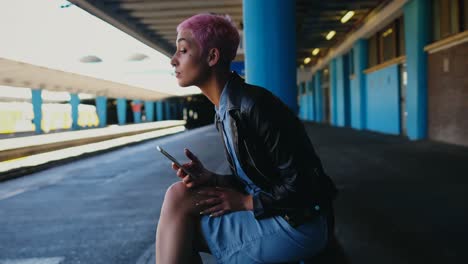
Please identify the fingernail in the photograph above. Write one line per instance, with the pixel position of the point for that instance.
(211, 215)
(201, 213)
(197, 204)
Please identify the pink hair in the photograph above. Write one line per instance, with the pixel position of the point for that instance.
(213, 31)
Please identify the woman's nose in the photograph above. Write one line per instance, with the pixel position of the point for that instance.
(173, 61)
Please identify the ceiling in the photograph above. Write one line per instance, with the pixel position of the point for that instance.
(154, 22)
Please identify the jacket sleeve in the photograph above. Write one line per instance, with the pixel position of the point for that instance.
(274, 125)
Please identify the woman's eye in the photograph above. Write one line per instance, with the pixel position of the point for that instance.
(182, 50)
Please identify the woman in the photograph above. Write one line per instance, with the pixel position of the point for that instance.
(275, 205)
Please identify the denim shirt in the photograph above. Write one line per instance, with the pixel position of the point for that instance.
(224, 117)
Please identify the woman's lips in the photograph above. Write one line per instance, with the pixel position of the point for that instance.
(177, 74)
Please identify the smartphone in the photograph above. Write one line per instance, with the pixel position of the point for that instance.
(175, 161)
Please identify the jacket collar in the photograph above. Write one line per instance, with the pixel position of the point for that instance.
(234, 91)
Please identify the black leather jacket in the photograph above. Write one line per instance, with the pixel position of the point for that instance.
(275, 153)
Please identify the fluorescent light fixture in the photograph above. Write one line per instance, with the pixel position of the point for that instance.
(315, 51)
(347, 16)
(330, 34)
(307, 60)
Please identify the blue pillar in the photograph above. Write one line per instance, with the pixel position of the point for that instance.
(167, 110)
(149, 111)
(358, 86)
(270, 47)
(302, 102)
(122, 111)
(136, 109)
(37, 109)
(333, 96)
(318, 96)
(74, 101)
(416, 19)
(310, 100)
(159, 110)
(101, 109)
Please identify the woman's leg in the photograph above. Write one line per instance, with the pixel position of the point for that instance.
(178, 233)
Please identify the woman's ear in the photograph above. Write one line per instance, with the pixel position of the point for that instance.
(213, 57)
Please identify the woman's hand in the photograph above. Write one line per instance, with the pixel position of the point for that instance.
(217, 201)
(194, 167)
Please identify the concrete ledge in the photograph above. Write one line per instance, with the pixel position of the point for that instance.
(48, 158)
(15, 148)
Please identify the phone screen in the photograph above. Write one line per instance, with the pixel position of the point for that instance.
(175, 161)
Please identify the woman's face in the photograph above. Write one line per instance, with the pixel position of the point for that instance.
(190, 67)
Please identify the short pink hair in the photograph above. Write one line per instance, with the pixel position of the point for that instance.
(213, 31)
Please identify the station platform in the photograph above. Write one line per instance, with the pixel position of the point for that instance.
(19, 155)
(400, 201)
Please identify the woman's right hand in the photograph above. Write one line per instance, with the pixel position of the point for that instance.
(195, 167)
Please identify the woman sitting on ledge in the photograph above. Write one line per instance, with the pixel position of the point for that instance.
(276, 206)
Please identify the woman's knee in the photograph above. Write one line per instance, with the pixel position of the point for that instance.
(178, 196)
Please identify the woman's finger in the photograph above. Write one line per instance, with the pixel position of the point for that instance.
(219, 213)
(209, 192)
(187, 180)
(210, 201)
(213, 209)
(181, 173)
(191, 156)
(174, 166)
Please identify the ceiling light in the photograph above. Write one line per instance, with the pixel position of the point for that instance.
(307, 60)
(90, 59)
(315, 51)
(330, 34)
(347, 16)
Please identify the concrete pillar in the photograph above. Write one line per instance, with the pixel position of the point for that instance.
(416, 18)
(37, 109)
(358, 89)
(270, 47)
(74, 102)
(318, 96)
(122, 111)
(149, 111)
(159, 111)
(136, 109)
(101, 109)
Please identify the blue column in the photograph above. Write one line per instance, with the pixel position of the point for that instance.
(149, 111)
(333, 96)
(136, 109)
(310, 100)
(122, 111)
(74, 101)
(159, 110)
(358, 86)
(416, 19)
(302, 102)
(167, 110)
(37, 109)
(101, 109)
(270, 47)
(318, 96)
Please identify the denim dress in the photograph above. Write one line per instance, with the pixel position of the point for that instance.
(238, 237)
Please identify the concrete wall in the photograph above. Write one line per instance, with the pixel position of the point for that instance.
(448, 95)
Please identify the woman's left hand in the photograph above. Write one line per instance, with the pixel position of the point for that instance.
(218, 201)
